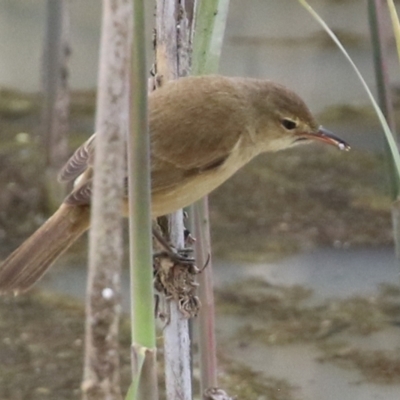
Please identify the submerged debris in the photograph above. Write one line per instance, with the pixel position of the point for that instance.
(248, 384)
(280, 315)
(382, 367)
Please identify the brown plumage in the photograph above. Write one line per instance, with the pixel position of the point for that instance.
(202, 130)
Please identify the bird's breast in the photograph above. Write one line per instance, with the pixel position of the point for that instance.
(198, 185)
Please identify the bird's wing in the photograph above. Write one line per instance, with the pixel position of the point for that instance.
(82, 194)
(80, 166)
(194, 134)
(194, 126)
(165, 173)
(169, 166)
(79, 161)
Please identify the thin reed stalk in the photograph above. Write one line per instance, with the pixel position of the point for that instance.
(379, 41)
(211, 17)
(103, 303)
(388, 134)
(55, 112)
(390, 138)
(174, 25)
(144, 382)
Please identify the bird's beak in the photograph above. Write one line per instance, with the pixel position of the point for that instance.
(326, 136)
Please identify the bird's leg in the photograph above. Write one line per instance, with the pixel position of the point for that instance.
(180, 256)
(187, 235)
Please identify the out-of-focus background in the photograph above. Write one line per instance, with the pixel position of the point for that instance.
(307, 282)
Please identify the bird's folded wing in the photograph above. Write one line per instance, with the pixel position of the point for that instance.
(166, 174)
(190, 137)
(81, 194)
(79, 161)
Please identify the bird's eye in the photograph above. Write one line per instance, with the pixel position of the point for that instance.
(289, 124)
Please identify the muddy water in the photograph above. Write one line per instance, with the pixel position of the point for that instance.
(329, 273)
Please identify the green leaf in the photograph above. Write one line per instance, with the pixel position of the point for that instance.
(388, 134)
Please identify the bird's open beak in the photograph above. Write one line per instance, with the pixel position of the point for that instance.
(326, 136)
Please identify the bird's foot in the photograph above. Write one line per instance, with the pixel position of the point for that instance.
(216, 394)
(175, 277)
(182, 256)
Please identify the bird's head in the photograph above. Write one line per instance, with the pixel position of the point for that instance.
(284, 120)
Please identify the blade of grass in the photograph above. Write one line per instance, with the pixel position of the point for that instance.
(376, 23)
(388, 134)
(396, 205)
(133, 388)
(395, 23)
(211, 16)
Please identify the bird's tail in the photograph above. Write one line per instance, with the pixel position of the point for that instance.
(33, 258)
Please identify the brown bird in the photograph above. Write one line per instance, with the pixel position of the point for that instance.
(202, 130)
